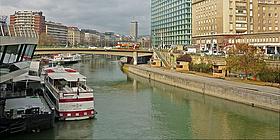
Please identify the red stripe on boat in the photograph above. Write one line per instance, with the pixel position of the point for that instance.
(76, 113)
(50, 71)
(75, 100)
(70, 70)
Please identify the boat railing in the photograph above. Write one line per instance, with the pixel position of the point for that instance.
(53, 89)
(85, 87)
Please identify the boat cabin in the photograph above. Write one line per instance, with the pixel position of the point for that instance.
(67, 81)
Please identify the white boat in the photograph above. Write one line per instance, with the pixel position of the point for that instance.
(68, 92)
(66, 59)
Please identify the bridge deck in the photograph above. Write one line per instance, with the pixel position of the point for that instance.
(117, 52)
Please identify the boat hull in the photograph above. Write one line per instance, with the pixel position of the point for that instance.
(74, 117)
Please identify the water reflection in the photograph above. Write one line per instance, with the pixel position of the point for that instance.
(74, 129)
(209, 117)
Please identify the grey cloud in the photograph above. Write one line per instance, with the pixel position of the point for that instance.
(103, 15)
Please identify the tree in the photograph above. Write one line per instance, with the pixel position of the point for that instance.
(46, 40)
(245, 58)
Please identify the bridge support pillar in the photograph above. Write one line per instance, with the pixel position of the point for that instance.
(135, 58)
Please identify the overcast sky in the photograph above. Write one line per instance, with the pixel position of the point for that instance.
(102, 15)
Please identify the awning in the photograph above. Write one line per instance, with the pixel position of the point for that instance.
(25, 77)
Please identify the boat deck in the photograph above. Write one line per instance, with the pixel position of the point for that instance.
(27, 103)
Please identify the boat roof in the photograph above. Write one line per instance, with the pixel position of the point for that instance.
(67, 74)
(71, 77)
(34, 66)
(26, 77)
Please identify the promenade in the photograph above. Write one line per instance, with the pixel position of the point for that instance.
(215, 81)
(258, 96)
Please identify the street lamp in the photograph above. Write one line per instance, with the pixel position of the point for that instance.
(212, 41)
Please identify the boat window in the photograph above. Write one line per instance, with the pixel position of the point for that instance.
(28, 52)
(73, 84)
(21, 52)
(50, 80)
(11, 54)
(1, 52)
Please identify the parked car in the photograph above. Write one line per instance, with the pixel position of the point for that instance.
(92, 47)
(108, 48)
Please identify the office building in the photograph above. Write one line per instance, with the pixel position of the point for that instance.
(27, 22)
(57, 31)
(134, 30)
(171, 22)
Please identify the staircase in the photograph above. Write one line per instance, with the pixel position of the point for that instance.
(163, 60)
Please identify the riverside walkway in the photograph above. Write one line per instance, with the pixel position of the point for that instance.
(216, 81)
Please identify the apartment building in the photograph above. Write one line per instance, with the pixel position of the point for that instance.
(171, 22)
(266, 16)
(57, 31)
(25, 23)
(218, 23)
(74, 36)
(91, 37)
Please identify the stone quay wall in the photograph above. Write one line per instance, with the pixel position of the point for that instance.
(255, 98)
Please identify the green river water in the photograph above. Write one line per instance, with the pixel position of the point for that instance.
(131, 107)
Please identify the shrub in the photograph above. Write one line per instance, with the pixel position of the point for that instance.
(270, 75)
(202, 67)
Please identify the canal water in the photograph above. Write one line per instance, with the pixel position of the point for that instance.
(131, 107)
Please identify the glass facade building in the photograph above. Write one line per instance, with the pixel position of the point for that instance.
(171, 22)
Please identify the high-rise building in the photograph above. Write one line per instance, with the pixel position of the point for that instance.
(57, 31)
(74, 36)
(219, 23)
(171, 22)
(24, 22)
(134, 30)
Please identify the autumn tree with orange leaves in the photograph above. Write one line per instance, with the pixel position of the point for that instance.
(245, 59)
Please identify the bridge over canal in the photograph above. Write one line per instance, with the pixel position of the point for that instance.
(116, 52)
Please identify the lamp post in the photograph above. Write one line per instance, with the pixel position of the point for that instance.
(212, 42)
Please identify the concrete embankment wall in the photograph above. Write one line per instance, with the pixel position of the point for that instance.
(242, 95)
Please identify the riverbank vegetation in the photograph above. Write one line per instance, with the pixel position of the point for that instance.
(202, 67)
(269, 75)
(245, 59)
